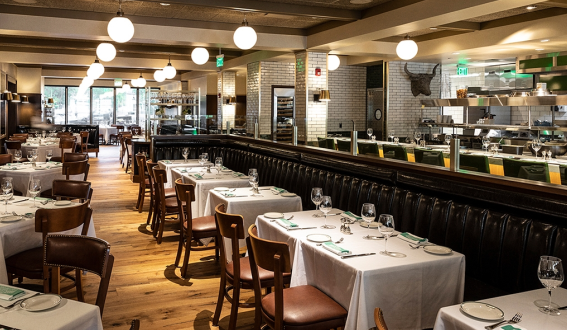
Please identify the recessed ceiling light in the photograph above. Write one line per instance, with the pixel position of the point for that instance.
(360, 2)
(164, 4)
(531, 7)
(539, 49)
(432, 28)
(544, 40)
(456, 53)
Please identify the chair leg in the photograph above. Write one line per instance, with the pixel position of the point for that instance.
(141, 196)
(79, 285)
(10, 279)
(234, 307)
(179, 248)
(151, 210)
(220, 300)
(161, 227)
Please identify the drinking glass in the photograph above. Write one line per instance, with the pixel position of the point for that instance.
(386, 228)
(201, 160)
(550, 273)
(448, 139)
(325, 206)
(368, 214)
(485, 143)
(397, 140)
(30, 155)
(206, 158)
(7, 192)
(18, 155)
(369, 132)
(34, 188)
(536, 145)
(48, 155)
(218, 164)
(316, 198)
(391, 134)
(254, 180)
(417, 136)
(185, 153)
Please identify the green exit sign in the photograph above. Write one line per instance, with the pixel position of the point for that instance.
(462, 71)
(220, 60)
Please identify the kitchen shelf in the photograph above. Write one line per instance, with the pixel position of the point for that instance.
(172, 104)
(498, 101)
(493, 126)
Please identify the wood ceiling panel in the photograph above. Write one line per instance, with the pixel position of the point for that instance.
(343, 4)
(506, 13)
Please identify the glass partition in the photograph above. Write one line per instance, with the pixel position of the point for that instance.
(79, 108)
(103, 105)
(126, 102)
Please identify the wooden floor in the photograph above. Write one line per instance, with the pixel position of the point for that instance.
(145, 284)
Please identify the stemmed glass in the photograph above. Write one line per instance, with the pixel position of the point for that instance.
(325, 206)
(316, 198)
(7, 192)
(386, 228)
(550, 273)
(48, 155)
(185, 154)
(448, 139)
(485, 142)
(206, 158)
(202, 160)
(369, 132)
(368, 214)
(391, 135)
(536, 145)
(34, 188)
(417, 136)
(218, 164)
(30, 156)
(397, 140)
(18, 155)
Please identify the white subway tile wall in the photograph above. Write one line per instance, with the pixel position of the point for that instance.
(347, 86)
(301, 94)
(228, 90)
(252, 96)
(272, 73)
(316, 111)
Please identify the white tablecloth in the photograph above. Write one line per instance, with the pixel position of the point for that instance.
(451, 318)
(21, 177)
(168, 165)
(41, 151)
(409, 290)
(19, 236)
(210, 181)
(106, 132)
(67, 315)
(250, 207)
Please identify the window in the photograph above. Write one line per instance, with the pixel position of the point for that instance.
(126, 106)
(57, 114)
(79, 109)
(142, 109)
(103, 106)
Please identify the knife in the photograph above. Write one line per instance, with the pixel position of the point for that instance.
(293, 229)
(356, 255)
(562, 308)
(23, 200)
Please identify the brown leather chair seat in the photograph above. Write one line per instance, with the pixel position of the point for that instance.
(171, 203)
(246, 272)
(298, 311)
(27, 260)
(203, 224)
(170, 192)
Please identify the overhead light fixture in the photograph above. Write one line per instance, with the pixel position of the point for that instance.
(333, 62)
(134, 83)
(15, 98)
(159, 75)
(141, 81)
(120, 28)
(531, 7)
(200, 55)
(106, 52)
(126, 87)
(6, 95)
(245, 37)
(95, 70)
(87, 81)
(25, 100)
(544, 40)
(169, 70)
(406, 49)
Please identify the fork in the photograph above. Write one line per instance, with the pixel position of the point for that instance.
(516, 319)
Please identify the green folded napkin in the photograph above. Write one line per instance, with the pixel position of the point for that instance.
(332, 247)
(166, 161)
(197, 176)
(286, 223)
(224, 168)
(183, 170)
(351, 216)
(10, 293)
(278, 190)
(412, 238)
(237, 174)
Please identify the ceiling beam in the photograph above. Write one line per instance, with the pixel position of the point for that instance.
(557, 3)
(244, 60)
(275, 7)
(462, 25)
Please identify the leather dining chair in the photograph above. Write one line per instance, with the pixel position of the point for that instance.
(379, 319)
(78, 156)
(192, 228)
(80, 253)
(299, 308)
(84, 144)
(395, 152)
(165, 206)
(71, 190)
(5, 158)
(21, 139)
(11, 146)
(29, 263)
(75, 168)
(66, 145)
(343, 145)
(144, 188)
(237, 273)
(474, 163)
(62, 134)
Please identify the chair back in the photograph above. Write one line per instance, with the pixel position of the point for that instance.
(230, 226)
(67, 145)
(60, 220)
(429, 157)
(70, 189)
(62, 134)
(21, 135)
(20, 139)
(119, 128)
(72, 156)
(5, 158)
(141, 161)
(150, 166)
(395, 152)
(84, 137)
(75, 168)
(532, 170)
(343, 145)
(83, 253)
(474, 163)
(379, 319)
(367, 148)
(185, 194)
(160, 179)
(12, 146)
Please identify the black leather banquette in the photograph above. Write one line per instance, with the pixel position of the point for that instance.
(501, 242)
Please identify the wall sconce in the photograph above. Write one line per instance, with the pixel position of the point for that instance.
(6, 95)
(232, 100)
(25, 100)
(50, 101)
(15, 98)
(323, 95)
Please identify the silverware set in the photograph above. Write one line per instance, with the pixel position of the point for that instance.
(336, 242)
(516, 319)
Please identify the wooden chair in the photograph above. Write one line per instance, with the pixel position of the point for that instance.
(136, 130)
(84, 144)
(5, 158)
(20, 139)
(144, 185)
(76, 156)
(75, 168)
(122, 139)
(301, 307)
(79, 252)
(192, 228)
(166, 206)
(115, 137)
(379, 319)
(66, 145)
(62, 134)
(237, 273)
(72, 190)
(21, 135)
(29, 263)
(12, 146)
(128, 149)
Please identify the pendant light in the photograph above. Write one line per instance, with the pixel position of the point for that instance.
(134, 83)
(159, 76)
(106, 52)
(25, 100)
(200, 55)
(15, 98)
(95, 70)
(141, 81)
(406, 49)
(126, 87)
(333, 62)
(120, 29)
(245, 37)
(169, 70)
(87, 81)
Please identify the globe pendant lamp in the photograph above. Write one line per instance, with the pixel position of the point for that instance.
(333, 62)
(134, 83)
(245, 37)
(106, 52)
(200, 55)
(95, 70)
(406, 49)
(126, 87)
(87, 81)
(141, 81)
(159, 76)
(120, 29)
(169, 70)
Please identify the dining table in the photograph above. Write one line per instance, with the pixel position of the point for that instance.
(19, 235)
(204, 182)
(66, 314)
(453, 318)
(22, 173)
(168, 165)
(244, 202)
(106, 131)
(410, 290)
(41, 149)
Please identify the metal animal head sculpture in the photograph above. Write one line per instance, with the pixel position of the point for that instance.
(420, 83)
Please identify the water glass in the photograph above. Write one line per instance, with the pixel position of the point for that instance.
(218, 164)
(34, 188)
(368, 215)
(254, 180)
(391, 135)
(48, 155)
(386, 227)
(326, 206)
(316, 198)
(417, 136)
(369, 132)
(185, 153)
(18, 155)
(7, 192)
(550, 273)
(536, 146)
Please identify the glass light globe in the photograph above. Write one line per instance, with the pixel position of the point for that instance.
(169, 71)
(333, 62)
(135, 83)
(245, 37)
(200, 55)
(141, 81)
(406, 49)
(88, 81)
(159, 76)
(106, 52)
(95, 70)
(126, 87)
(120, 29)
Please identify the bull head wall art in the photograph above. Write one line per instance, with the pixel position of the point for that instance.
(420, 83)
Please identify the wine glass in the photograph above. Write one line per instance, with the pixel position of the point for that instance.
(368, 214)
(206, 158)
(185, 153)
(48, 155)
(316, 198)
(7, 192)
(448, 139)
(34, 188)
(218, 164)
(391, 135)
(30, 155)
(417, 136)
(369, 132)
(325, 206)
(397, 140)
(18, 155)
(485, 142)
(536, 145)
(386, 227)
(251, 172)
(550, 273)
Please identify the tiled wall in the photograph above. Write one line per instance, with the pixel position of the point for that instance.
(316, 111)
(347, 86)
(219, 101)
(252, 96)
(404, 110)
(272, 73)
(228, 90)
(301, 94)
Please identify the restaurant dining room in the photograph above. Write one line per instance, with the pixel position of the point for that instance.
(283, 164)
